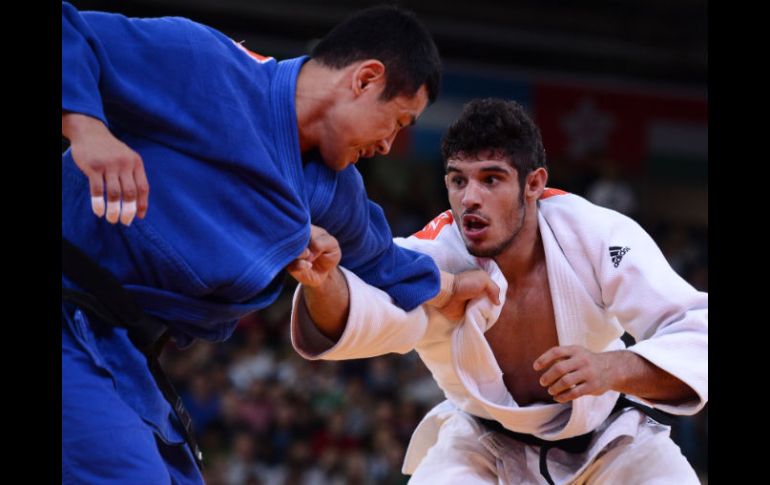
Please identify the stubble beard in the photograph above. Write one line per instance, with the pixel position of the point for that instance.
(500, 248)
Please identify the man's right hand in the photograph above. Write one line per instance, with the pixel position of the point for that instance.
(109, 164)
(460, 289)
(324, 288)
(318, 261)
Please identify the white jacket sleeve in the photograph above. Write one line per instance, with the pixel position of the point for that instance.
(375, 326)
(665, 314)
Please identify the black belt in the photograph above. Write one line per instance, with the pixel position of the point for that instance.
(103, 297)
(576, 444)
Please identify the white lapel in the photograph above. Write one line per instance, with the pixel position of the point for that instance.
(480, 375)
(575, 313)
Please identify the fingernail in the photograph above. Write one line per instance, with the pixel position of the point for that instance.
(128, 211)
(113, 211)
(97, 205)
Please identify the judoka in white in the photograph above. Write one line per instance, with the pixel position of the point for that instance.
(547, 360)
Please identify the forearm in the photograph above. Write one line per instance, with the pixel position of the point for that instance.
(329, 304)
(632, 374)
(75, 125)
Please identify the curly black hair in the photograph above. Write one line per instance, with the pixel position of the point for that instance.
(500, 126)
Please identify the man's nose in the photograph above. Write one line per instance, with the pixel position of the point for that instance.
(384, 145)
(471, 195)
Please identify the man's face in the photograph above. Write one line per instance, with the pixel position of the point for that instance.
(367, 126)
(486, 201)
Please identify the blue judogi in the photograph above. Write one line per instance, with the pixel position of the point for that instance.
(231, 205)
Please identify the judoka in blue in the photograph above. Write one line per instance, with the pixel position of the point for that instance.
(242, 152)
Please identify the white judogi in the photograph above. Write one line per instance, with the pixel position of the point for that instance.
(606, 275)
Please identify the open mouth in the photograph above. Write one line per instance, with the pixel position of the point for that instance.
(360, 154)
(473, 225)
(363, 153)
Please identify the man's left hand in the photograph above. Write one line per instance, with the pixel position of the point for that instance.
(572, 371)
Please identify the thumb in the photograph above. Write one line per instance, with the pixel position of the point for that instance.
(493, 291)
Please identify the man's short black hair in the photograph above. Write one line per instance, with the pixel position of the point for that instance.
(393, 36)
(499, 126)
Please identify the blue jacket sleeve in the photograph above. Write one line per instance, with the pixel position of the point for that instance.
(153, 77)
(409, 277)
(80, 65)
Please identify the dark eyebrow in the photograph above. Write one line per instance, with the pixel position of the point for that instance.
(450, 168)
(495, 168)
(502, 169)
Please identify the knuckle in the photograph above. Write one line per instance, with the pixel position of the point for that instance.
(125, 163)
(113, 192)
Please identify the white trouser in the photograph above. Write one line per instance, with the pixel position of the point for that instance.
(639, 451)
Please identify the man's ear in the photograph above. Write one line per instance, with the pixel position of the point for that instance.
(368, 75)
(535, 183)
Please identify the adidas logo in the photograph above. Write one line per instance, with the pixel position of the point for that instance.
(617, 253)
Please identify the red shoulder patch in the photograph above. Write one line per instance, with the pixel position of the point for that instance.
(257, 57)
(549, 192)
(435, 226)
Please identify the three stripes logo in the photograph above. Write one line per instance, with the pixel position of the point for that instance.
(617, 253)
